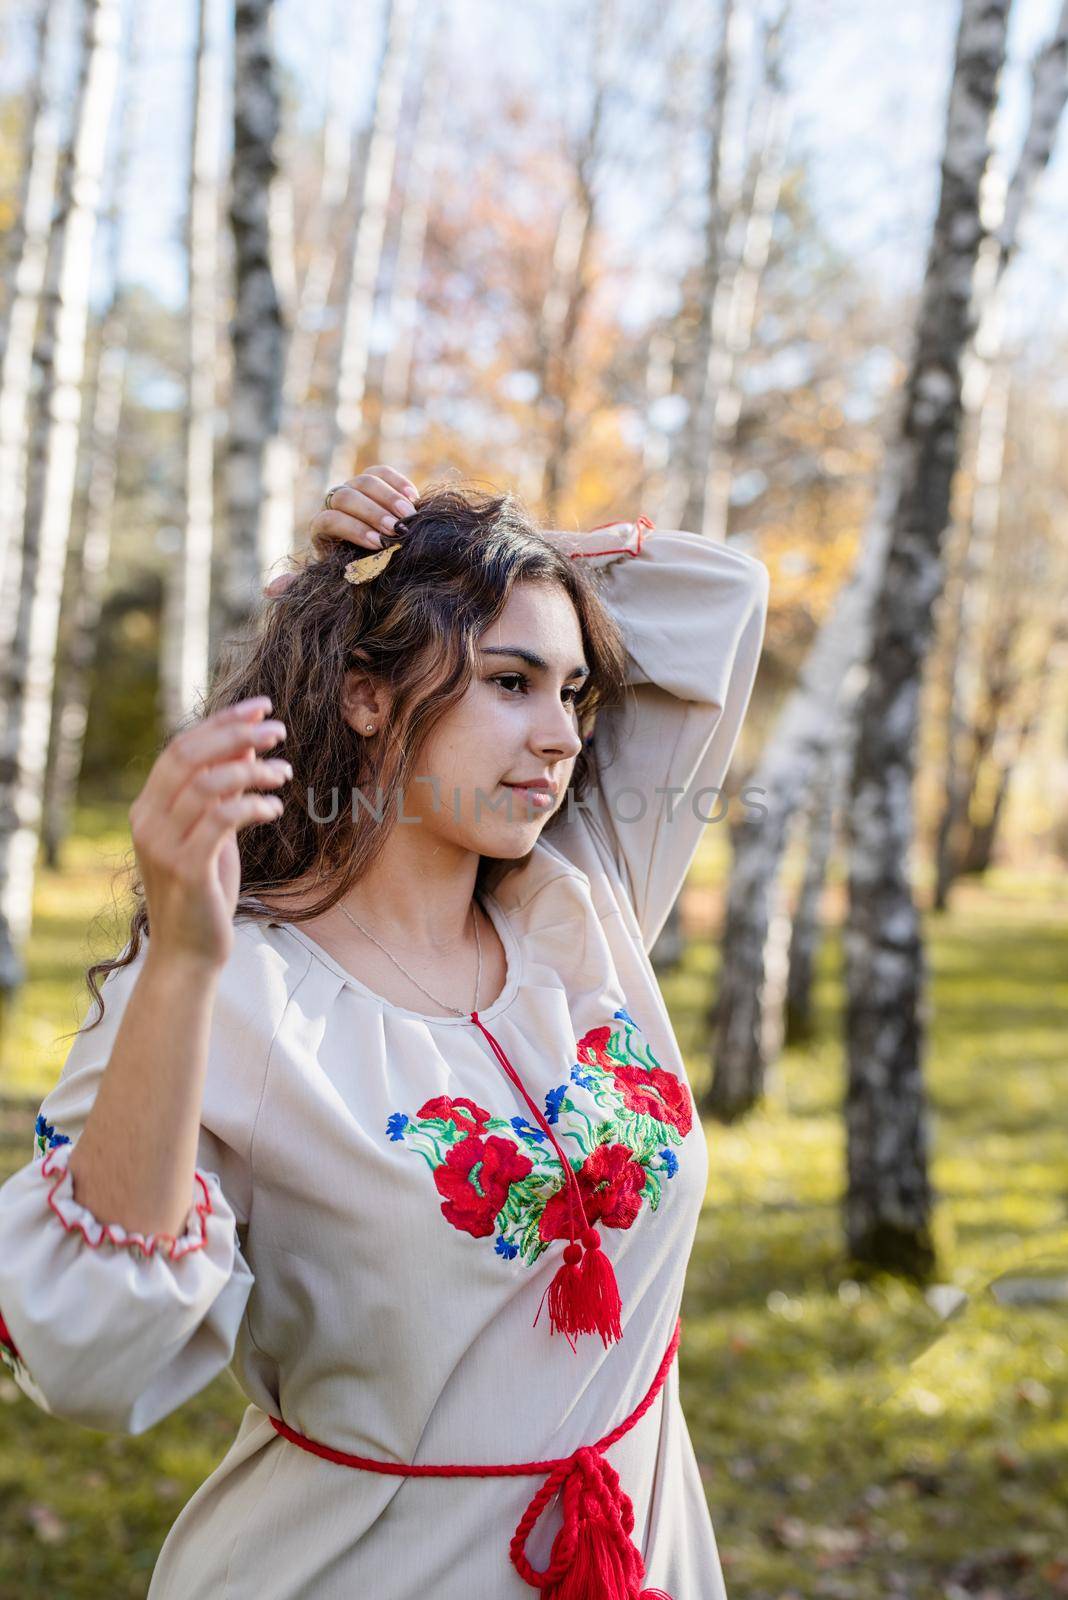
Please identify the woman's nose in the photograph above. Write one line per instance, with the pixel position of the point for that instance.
(559, 737)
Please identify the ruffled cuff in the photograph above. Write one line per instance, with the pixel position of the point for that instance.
(106, 1326)
(608, 542)
(76, 1218)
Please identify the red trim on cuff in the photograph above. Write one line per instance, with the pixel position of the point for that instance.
(204, 1209)
(640, 522)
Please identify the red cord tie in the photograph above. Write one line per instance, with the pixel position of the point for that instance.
(583, 1296)
(593, 1556)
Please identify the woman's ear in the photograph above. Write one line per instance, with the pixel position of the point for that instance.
(362, 702)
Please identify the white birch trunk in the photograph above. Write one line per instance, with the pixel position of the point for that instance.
(404, 293)
(346, 419)
(28, 260)
(737, 248)
(985, 394)
(888, 1198)
(185, 639)
(817, 714)
(565, 298)
(256, 329)
(327, 224)
(277, 517)
(688, 463)
(71, 704)
(60, 359)
(805, 732)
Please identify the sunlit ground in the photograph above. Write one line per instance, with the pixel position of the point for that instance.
(853, 1443)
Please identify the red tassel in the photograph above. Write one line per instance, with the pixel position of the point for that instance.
(593, 1557)
(584, 1295)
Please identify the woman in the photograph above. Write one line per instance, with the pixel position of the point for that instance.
(388, 1111)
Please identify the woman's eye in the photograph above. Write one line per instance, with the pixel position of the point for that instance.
(572, 691)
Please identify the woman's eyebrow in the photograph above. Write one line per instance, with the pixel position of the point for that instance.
(530, 658)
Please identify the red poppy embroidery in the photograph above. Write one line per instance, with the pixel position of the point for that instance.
(475, 1178)
(611, 1182)
(463, 1112)
(497, 1173)
(656, 1093)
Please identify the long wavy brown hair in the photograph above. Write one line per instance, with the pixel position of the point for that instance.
(413, 629)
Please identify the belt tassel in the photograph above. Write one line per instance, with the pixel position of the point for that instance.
(592, 1557)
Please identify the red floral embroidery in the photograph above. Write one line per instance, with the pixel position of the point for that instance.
(593, 1049)
(611, 1182)
(655, 1093)
(471, 1118)
(501, 1164)
(501, 1173)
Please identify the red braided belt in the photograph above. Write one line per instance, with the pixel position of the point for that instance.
(593, 1557)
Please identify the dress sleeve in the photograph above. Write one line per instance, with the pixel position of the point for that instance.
(115, 1329)
(692, 612)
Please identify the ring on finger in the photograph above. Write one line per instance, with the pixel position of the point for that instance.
(328, 501)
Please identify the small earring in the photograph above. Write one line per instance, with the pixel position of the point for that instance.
(370, 727)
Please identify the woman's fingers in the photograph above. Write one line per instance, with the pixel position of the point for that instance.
(370, 493)
(227, 733)
(240, 811)
(225, 780)
(392, 478)
(328, 527)
(364, 508)
(279, 585)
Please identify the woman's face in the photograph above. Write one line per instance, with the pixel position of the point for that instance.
(517, 722)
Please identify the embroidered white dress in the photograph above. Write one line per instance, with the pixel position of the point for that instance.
(376, 1218)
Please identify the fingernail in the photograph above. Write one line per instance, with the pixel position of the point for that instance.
(256, 700)
(411, 491)
(375, 541)
(389, 522)
(405, 508)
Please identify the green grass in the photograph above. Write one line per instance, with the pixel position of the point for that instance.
(854, 1446)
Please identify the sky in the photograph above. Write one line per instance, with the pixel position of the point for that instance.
(867, 86)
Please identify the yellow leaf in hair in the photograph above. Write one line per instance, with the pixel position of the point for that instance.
(362, 568)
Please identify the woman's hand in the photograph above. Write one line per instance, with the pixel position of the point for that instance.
(184, 827)
(361, 510)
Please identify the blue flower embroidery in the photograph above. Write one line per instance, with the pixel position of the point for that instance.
(524, 1129)
(671, 1162)
(582, 1078)
(503, 1248)
(625, 1016)
(552, 1103)
(396, 1125)
(46, 1135)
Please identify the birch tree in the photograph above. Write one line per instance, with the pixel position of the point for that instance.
(738, 241)
(185, 643)
(327, 225)
(27, 260)
(347, 413)
(256, 328)
(986, 391)
(89, 577)
(59, 356)
(888, 1198)
(568, 287)
(816, 717)
(738, 234)
(411, 244)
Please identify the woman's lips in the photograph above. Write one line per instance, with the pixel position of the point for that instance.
(540, 799)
